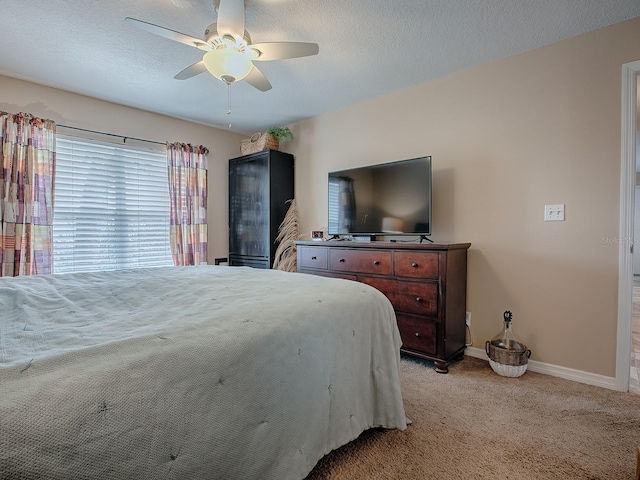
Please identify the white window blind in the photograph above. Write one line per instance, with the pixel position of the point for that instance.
(111, 207)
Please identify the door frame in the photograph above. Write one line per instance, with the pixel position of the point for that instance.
(630, 73)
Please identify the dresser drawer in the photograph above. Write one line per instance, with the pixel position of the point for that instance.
(312, 257)
(409, 297)
(361, 261)
(416, 264)
(418, 334)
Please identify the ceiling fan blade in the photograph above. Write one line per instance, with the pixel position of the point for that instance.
(167, 33)
(231, 18)
(257, 79)
(191, 71)
(283, 50)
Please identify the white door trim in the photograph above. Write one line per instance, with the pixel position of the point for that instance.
(630, 72)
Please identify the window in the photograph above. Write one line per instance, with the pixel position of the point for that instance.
(334, 205)
(111, 207)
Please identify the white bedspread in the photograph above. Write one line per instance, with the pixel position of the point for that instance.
(190, 372)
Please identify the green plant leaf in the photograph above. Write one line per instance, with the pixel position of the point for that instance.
(281, 133)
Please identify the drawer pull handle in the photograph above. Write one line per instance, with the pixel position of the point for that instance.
(418, 299)
(417, 334)
(414, 265)
(376, 262)
(342, 260)
(314, 258)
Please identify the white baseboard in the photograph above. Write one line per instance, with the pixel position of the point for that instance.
(555, 371)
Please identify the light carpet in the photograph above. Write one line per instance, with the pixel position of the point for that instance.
(474, 424)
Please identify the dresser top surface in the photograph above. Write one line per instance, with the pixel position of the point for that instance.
(385, 245)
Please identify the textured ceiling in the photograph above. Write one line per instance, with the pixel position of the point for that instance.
(367, 48)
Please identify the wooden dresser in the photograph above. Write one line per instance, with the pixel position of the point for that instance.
(426, 284)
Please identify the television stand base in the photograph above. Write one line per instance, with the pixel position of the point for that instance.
(424, 237)
(363, 238)
(337, 238)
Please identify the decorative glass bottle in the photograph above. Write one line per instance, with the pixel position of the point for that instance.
(507, 356)
(505, 339)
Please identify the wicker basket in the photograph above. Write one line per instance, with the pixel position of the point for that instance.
(512, 371)
(507, 362)
(259, 142)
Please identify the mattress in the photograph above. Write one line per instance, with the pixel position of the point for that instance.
(190, 372)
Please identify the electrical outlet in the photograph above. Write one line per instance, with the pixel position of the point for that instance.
(554, 213)
(468, 319)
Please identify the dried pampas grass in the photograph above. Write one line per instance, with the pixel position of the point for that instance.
(286, 254)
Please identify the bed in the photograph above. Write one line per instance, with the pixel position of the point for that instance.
(190, 372)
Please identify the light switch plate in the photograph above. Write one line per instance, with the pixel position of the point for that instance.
(554, 213)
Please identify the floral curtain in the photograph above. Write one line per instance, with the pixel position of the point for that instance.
(187, 167)
(27, 161)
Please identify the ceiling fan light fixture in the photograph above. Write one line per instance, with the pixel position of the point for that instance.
(229, 50)
(254, 53)
(228, 64)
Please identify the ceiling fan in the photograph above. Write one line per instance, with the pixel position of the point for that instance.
(229, 52)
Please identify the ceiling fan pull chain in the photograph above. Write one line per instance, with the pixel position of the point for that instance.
(229, 101)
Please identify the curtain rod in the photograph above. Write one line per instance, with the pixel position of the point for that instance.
(112, 135)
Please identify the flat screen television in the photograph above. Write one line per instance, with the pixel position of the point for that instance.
(386, 199)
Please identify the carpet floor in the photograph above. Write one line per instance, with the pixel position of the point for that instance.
(475, 424)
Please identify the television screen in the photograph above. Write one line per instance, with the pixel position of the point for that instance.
(386, 199)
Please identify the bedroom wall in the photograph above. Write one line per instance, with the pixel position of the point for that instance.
(507, 138)
(75, 110)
